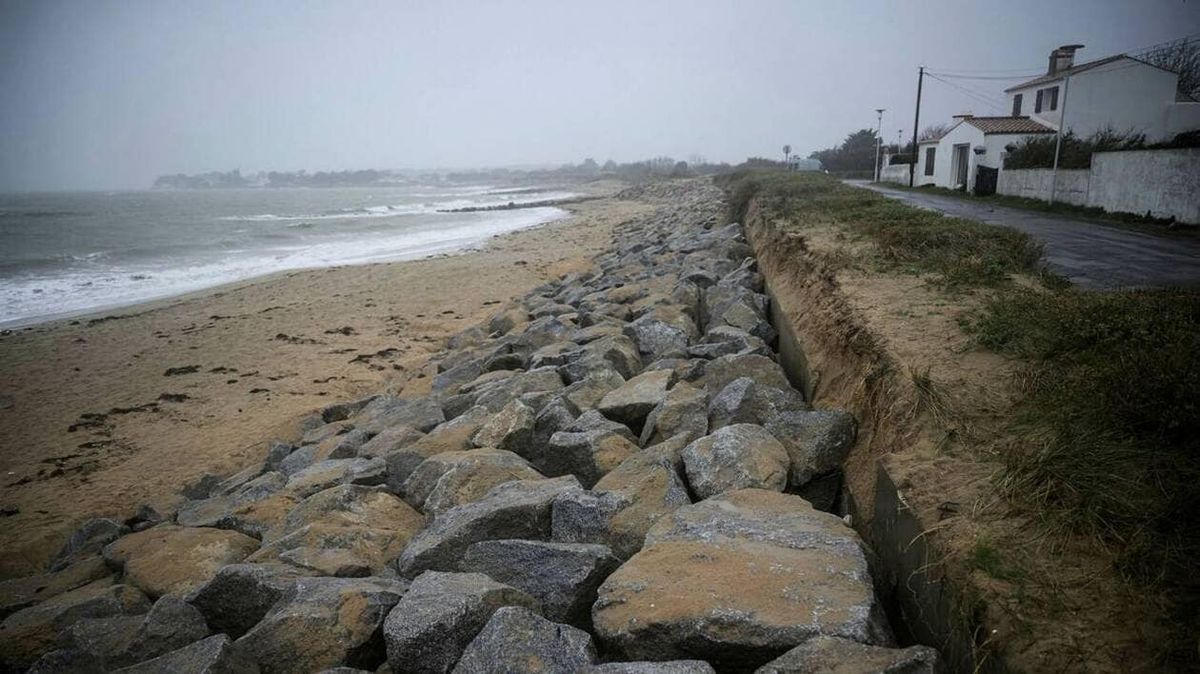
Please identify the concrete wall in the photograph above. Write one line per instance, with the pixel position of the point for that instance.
(1035, 184)
(1164, 182)
(1182, 117)
(897, 173)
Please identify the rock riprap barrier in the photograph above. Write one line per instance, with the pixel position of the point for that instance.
(612, 475)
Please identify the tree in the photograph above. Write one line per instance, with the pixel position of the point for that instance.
(856, 153)
(1182, 57)
(933, 131)
(787, 153)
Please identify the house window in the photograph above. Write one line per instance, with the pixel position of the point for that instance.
(929, 152)
(1047, 99)
(1017, 105)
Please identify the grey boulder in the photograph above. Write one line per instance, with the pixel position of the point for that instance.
(518, 641)
(735, 457)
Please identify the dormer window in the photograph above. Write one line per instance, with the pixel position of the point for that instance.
(1047, 99)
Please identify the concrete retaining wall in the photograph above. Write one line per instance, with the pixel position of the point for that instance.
(1165, 183)
(1035, 184)
(895, 173)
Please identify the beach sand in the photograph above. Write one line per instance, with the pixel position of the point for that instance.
(93, 425)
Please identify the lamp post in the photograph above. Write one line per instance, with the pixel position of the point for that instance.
(878, 140)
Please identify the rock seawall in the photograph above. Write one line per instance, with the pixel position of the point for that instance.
(612, 475)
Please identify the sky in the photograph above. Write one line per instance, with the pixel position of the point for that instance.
(98, 94)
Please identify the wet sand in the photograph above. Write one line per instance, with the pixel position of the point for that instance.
(102, 413)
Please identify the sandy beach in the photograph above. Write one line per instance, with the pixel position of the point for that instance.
(103, 413)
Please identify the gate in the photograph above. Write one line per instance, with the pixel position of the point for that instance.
(985, 180)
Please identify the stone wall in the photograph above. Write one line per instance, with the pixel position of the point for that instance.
(1163, 183)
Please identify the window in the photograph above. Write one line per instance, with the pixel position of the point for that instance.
(929, 152)
(1017, 105)
(1047, 99)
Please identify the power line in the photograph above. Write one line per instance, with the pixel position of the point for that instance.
(979, 97)
(988, 77)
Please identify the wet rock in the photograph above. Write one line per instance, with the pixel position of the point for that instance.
(735, 457)
(682, 411)
(214, 655)
(31, 632)
(563, 577)
(120, 641)
(518, 509)
(745, 401)
(518, 641)
(176, 560)
(19, 593)
(677, 596)
(511, 428)
(829, 655)
(322, 623)
(87, 540)
(440, 615)
(587, 455)
(630, 403)
(239, 595)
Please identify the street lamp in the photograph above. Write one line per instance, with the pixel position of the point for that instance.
(878, 141)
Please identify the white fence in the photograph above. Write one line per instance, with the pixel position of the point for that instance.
(894, 173)
(1163, 183)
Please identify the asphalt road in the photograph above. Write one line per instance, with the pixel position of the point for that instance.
(1091, 254)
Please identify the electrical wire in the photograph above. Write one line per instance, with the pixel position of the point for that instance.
(996, 104)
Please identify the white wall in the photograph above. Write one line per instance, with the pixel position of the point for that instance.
(1072, 185)
(943, 169)
(1165, 183)
(1182, 117)
(1124, 94)
(894, 173)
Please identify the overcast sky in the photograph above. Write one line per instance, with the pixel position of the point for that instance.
(100, 95)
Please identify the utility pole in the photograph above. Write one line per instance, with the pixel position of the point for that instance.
(1062, 122)
(912, 168)
(878, 140)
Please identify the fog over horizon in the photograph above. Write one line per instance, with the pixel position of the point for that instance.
(109, 95)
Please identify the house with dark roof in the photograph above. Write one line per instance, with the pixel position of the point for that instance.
(1120, 92)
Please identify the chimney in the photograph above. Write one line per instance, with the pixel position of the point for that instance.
(1062, 58)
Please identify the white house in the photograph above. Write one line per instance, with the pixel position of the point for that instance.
(952, 160)
(1120, 92)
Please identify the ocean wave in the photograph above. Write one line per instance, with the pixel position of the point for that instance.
(391, 211)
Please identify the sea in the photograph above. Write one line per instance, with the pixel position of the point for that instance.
(68, 253)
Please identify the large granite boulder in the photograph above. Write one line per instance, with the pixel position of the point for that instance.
(28, 634)
(630, 403)
(86, 541)
(214, 655)
(324, 622)
(464, 477)
(668, 667)
(745, 401)
(239, 595)
(438, 617)
(682, 411)
(511, 428)
(588, 455)
(735, 457)
(685, 594)
(563, 577)
(120, 641)
(519, 509)
(19, 593)
(170, 559)
(817, 441)
(518, 641)
(719, 372)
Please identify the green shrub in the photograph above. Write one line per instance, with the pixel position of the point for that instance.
(1075, 153)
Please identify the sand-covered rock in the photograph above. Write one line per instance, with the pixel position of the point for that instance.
(734, 457)
(175, 560)
(630, 403)
(19, 593)
(428, 629)
(214, 655)
(323, 622)
(120, 641)
(682, 411)
(588, 455)
(685, 594)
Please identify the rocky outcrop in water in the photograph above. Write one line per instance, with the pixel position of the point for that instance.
(604, 478)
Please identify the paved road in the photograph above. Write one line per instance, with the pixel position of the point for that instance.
(1091, 254)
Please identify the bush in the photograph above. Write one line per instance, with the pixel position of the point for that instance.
(1075, 153)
